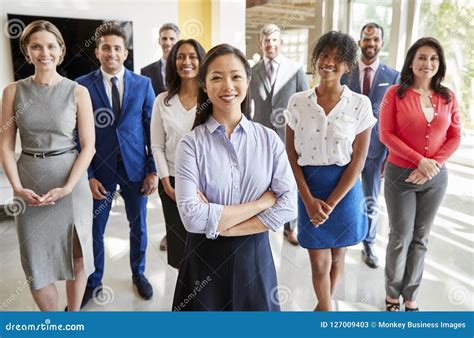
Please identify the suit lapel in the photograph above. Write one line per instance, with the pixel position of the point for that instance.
(283, 75)
(99, 86)
(161, 81)
(127, 91)
(263, 74)
(355, 80)
(376, 80)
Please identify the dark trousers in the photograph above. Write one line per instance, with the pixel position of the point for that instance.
(175, 231)
(411, 211)
(135, 207)
(371, 181)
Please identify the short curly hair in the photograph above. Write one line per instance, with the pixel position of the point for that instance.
(345, 46)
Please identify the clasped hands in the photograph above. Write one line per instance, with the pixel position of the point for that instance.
(318, 211)
(427, 169)
(35, 200)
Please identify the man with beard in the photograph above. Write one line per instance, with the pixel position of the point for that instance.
(275, 79)
(372, 78)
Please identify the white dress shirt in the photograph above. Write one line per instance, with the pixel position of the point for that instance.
(322, 139)
(106, 77)
(168, 125)
(362, 66)
(163, 70)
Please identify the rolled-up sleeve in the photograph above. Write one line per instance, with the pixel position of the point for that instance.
(283, 185)
(197, 217)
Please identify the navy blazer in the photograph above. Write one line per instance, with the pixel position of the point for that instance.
(153, 71)
(130, 136)
(383, 79)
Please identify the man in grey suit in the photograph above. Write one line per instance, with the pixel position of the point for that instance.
(372, 78)
(156, 71)
(274, 80)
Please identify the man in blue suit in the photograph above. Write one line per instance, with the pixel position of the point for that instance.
(372, 78)
(122, 103)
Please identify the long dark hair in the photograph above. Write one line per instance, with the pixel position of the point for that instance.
(204, 104)
(173, 81)
(407, 77)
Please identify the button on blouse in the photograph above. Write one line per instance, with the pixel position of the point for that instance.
(322, 139)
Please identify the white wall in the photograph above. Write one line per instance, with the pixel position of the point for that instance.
(228, 22)
(147, 17)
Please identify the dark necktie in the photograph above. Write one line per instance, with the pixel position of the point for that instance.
(270, 72)
(366, 87)
(115, 99)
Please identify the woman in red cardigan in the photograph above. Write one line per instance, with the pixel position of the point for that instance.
(420, 125)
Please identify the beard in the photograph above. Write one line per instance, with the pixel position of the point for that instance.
(368, 55)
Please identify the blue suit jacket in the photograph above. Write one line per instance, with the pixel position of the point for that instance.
(384, 78)
(130, 136)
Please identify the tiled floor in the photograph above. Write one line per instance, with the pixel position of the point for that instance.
(447, 281)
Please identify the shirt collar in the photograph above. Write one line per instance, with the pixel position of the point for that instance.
(346, 93)
(108, 76)
(212, 125)
(276, 59)
(373, 66)
(163, 62)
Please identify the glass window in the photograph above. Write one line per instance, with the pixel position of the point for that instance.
(295, 45)
(450, 21)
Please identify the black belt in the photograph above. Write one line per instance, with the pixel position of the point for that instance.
(49, 153)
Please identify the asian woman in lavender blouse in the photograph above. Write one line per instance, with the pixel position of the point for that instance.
(233, 184)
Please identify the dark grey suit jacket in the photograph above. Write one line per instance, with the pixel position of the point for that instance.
(269, 103)
(153, 71)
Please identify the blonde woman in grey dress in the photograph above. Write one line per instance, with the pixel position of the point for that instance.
(54, 221)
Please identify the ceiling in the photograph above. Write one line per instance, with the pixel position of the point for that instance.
(286, 14)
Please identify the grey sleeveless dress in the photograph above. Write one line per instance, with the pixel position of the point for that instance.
(46, 119)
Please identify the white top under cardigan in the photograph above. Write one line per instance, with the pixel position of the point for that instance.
(168, 125)
(327, 140)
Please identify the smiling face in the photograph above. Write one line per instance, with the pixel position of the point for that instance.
(271, 44)
(330, 66)
(168, 39)
(226, 84)
(425, 64)
(44, 51)
(187, 62)
(370, 44)
(111, 53)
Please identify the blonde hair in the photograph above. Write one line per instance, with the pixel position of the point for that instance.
(40, 26)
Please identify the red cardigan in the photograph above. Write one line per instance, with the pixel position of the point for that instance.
(407, 134)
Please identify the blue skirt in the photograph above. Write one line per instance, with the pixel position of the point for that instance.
(347, 225)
